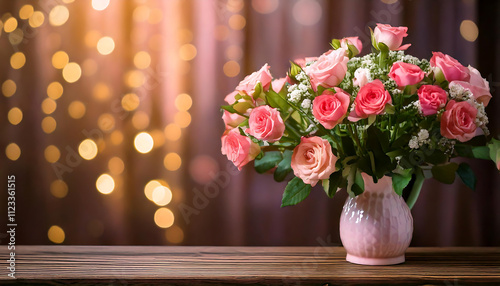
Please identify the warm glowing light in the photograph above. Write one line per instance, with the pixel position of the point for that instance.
(134, 78)
(91, 38)
(105, 45)
(100, 5)
(116, 166)
(16, 37)
(54, 90)
(26, 11)
(150, 187)
(162, 196)
(12, 151)
(143, 142)
(172, 161)
(187, 52)
(265, 6)
(49, 106)
(231, 69)
(17, 60)
(155, 16)
(174, 234)
(105, 184)
(56, 234)
(164, 218)
(101, 91)
(140, 120)
(130, 101)
(234, 52)
(172, 132)
(183, 119)
(184, 35)
(469, 30)
(60, 59)
(389, 1)
(9, 88)
(307, 12)
(235, 6)
(142, 60)
(37, 19)
(158, 137)
(49, 124)
(58, 15)
(89, 67)
(237, 22)
(87, 149)
(59, 189)
(15, 116)
(116, 137)
(10, 25)
(183, 102)
(106, 122)
(52, 154)
(141, 13)
(72, 72)
(76, 109)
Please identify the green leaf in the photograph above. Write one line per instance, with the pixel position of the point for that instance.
(478, 152)
(276, 101)
(268, 161)
(335, 44)
(229, 108)
(389, 109)
(242, 106)
(355, 183)
(333, 183)
(295, 69)
(374, 43)
(383, 48)
(257, 90)
(467, 175)
(284, 167)
(401, 180)
(295, 192)
(494, 149)
(445, 173)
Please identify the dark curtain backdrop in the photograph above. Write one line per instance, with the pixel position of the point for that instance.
(204, 48)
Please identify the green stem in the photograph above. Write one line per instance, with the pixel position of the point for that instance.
(355, 136)
(292, 130)
(382, 56)
(415, 191)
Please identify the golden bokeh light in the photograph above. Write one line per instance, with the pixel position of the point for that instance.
(130, 101)
(100, 5)
(105, 184)
(91, 38)
(141, 13)
(68, 1)
(58, 15)
(231, 68)
(105, 45)
(183, 119)
(140, 120)
(106, 122)
(60, 59)
(59, 189)
(49, 124)
(183, 102)
(76, 109)
(162, 196)
(12, 151)
(17, 60)
(184, 35)
(174, 234)
(150, 187)
(116, 166)
(172, 132)
(142, 60)
(265, 6)
(164, 217)
(234, 52)
(26, 11)
(15, 116)
(158, 137)
(187, 52)
(49, 106)
(88, 149)
(235, 6)
(16, 37)
(56, 234)
(37, 19)
(10, 25)
(116, 137)
(469, 30)
(89, 67)
(237, 22)
(172, 161)
(134, 78)
(54, 90)
(143, 142)
(52, 154)
(155, 16)
(72, 72)
(9, 88)
(101, 91)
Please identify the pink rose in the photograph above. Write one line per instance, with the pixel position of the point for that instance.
(353, 41)
(406, 74)
(448, 67)
(313, 160)
(303, 61)
(329, 70)
(247, 85)
(278, 84)
(230, 97)
(459, 121)
(477, 85)
(392, 37)
(331, 108)
(265, 123)
(371, 100)
(238, 148)
(432, 98)
(361, 77)
(232, 120)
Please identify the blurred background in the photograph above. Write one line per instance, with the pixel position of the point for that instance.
(110, 118)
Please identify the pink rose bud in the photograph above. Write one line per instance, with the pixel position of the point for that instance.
(247, 85)
(278, 84)
(352, 41)
(232, 120)
(361, 77)
(406, 74)
(331, 108)
(313, 160)
(477, 85)
(230, 97)
(371, 100)
(392, 37)
(432, 98)
(329, 70)
(265, 123)
(448, 67)
(459, 121)
(239, 149)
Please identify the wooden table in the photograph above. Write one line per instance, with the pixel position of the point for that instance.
(247, 265)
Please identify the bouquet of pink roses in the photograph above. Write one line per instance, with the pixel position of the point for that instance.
(337, 115)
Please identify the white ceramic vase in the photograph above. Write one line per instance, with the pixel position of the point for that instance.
(376, 227)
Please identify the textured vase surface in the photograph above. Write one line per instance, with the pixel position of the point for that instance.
(376, 227)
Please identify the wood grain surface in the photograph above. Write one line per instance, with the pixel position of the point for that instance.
(145, 265)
